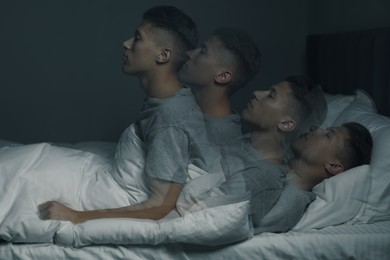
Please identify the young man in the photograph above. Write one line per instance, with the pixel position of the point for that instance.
(170, 122)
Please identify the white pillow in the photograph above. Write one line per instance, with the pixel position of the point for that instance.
(338, 200)
(377, 205)
(211, 226)
(336, 105)
(129, 163)
(368, 199)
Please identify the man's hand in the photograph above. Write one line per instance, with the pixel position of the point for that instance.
(57, 211)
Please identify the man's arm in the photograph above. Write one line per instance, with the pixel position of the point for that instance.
(162, 201)
(166, 167)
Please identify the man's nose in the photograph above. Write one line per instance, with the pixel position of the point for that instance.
(127, 44)
(258, 94)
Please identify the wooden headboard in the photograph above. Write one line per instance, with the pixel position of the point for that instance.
(343, 62)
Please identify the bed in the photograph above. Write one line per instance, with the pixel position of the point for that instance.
(350, 217)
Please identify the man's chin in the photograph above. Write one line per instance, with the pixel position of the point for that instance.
(127, 71)
(245, 116)
(183, 79)
(296, 147)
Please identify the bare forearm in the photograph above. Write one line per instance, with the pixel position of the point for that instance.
(157, 207)
(154, 213)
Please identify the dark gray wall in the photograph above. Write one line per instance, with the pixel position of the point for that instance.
(60, 60)
(331, 16)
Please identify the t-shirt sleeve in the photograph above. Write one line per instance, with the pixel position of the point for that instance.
(167, 155)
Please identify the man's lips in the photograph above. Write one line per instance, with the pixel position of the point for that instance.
(251, 103)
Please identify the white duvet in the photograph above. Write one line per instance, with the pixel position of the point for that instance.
(33, 174)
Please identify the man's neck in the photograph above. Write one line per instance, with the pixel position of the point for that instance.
(212, 102)
(269, 144)
(305, 176)
(160, 84)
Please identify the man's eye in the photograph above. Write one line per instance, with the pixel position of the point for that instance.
(137, 37)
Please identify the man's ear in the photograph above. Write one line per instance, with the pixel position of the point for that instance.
(164, 56)
(334, 167)
(287, 124)
(223, 77)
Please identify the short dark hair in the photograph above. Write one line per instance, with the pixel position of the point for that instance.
(245, 52)
(180, 26)
(357, 147)
(300, 86)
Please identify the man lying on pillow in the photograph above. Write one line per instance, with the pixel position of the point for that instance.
(318, 155)
(322, 153)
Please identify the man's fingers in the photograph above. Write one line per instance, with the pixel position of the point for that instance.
(45, 210)
(56, 211)
(45, 205)
(43, 215)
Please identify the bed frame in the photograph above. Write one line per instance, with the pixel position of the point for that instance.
(343, 62)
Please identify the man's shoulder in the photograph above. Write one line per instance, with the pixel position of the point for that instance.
(183, 99)
(179, 108)
(224, 131)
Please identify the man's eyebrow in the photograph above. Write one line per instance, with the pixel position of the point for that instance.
(137, 33)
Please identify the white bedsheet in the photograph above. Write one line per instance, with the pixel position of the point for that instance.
(366, 241)
(33, 174)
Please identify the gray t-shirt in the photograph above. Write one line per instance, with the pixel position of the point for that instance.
(287, 211)
(276, 204)
(176, 134)
(246, 172)
(223, 131)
